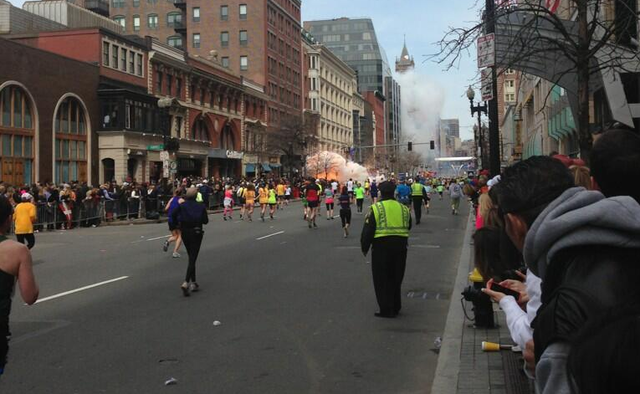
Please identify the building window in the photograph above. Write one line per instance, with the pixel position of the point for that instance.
(115, 54)
(159, 77)
(17, 132)
(510, 83)
(136, 3)
(244, 38)
(196, 14)
(196, 40)
(179, 87)
(175, 41)
(136, 23)
(226, 138)
(106, 56)
(71, 142)
(169, 84)
(224, 12)
(174, 19)
(139, 65)
(121, 20)
(132, 62)
(244, 63)
(200, 131)
(117, 3)
(123, 59)
(152, 21)
(243, 11)
(366, 36)
(224, 39)
(225, 62)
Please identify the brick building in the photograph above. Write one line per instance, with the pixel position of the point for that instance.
(47, 118)
(375, 118)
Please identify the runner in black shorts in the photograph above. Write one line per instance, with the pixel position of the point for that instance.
(312, 192)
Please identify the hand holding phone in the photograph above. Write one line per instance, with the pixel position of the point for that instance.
(501, 289)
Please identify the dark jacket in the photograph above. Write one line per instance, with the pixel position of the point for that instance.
(190, 215)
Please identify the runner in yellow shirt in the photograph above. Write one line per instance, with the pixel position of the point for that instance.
(263, 199)
(280, 189)
(24, 216)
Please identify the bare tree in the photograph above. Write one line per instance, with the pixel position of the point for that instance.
(292, 138)
(578, 47)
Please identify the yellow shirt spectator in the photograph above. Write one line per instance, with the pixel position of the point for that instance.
(24, 216)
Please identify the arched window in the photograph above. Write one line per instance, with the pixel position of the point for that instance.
(17, 132)
(70, 129)
(200, 130)
(174, 19)
(175, 41)
(226, 138)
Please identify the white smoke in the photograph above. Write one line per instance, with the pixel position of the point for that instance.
(331, 165)
(422, 102)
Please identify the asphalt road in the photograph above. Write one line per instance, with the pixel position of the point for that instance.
(296, 311)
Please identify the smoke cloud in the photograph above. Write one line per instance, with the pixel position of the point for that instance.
(331, 165)
(422, 102)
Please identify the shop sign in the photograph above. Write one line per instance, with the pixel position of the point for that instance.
(231, 154)
(155, 148)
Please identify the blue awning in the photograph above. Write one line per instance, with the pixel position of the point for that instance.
(266, 167)
(250, 168)
(275, 165)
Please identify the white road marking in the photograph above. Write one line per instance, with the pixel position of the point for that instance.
(66, 293)
(425, 246)
(153, 239)
(270, 235)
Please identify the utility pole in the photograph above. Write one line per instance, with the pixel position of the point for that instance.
(494, 132)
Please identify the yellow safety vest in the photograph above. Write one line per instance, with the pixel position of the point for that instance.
(416, 189)
(392, 219)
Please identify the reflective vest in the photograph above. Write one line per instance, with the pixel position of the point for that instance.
(392, 219)
(416, 189)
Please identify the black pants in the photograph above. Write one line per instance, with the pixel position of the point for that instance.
(359, 202)
(417, 207)
(192, 239)
(345, 216)
(4, 348)
(29, 238)
(388, 263)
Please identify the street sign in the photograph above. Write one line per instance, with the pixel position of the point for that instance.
(164, 155)
(486, 51)
(155, 147)
(486, 78)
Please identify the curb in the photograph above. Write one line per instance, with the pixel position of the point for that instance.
(448, 368)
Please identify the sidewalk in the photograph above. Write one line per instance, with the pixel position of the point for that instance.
(462, 365)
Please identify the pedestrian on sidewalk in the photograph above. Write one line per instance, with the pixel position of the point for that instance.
(192, 216)
(15, 266)
(24, 217)
(386, 232)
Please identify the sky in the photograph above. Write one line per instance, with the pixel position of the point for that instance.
(424, 23)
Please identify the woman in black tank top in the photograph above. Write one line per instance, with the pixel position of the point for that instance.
(7, 282)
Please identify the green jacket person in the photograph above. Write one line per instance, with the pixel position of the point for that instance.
(386, 232)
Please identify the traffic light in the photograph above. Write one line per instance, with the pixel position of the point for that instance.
(409, 146)
(432, 144)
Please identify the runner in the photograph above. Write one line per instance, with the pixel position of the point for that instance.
(374, 192)
(359, 192)
(281, 189)
(240, 193)
(312, 193)
(24, 217)
(328, 199)
(273, 201)
(287, 194)
(350, 187)
(320, 197)
(305, 203)
(334, 187)
(174, 227)
(455, 193)
(263, 199)
(191, 215)
(366, 187)
(345, 210)
(427, 195)
(440, 189)
(250, 200)
(402, 194)
(15, 266)
(228, 203)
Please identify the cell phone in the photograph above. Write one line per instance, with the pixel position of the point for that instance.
(504, 290)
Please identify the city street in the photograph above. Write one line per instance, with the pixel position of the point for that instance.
(295, 305)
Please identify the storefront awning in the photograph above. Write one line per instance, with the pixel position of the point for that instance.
(275, 165)
(266, 167)
(250, 168)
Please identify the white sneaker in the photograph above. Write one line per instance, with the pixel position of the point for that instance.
(176, 255)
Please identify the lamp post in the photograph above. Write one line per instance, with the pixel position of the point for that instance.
(479, 135)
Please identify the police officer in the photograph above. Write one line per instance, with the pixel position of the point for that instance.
(417, 195)
(386, 228)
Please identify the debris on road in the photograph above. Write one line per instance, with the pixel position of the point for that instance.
(171, 382)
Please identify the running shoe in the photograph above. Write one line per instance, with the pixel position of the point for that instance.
(315, 225)
(165, 247)
(309, 224)
(185, 289)
(225, 218)
(194, 287)
(345, 232)
(176, 255)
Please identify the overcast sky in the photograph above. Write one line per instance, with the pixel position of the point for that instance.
(423, 22)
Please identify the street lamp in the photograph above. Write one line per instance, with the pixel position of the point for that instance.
(479, 138)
